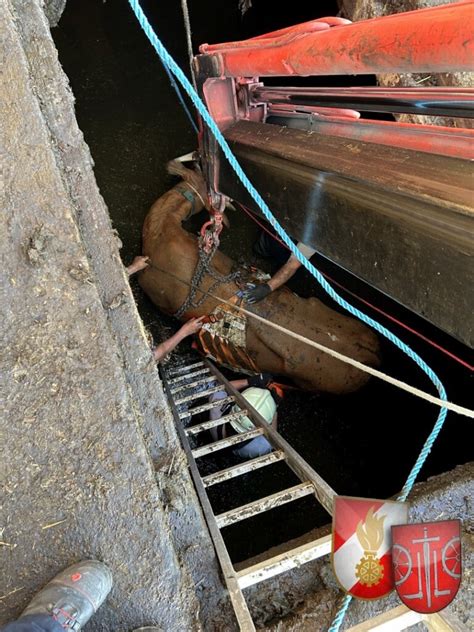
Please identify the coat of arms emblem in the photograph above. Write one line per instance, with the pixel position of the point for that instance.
(362, 541)
(427, 564)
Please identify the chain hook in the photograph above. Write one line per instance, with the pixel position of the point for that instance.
(211, 230)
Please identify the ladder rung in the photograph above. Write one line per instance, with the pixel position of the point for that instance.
(201, 409)
(204, 380)
(398, 619)
(242, 468)
(284, 562)
(207, 425)
(175, 380)
(194, 396)
(180, 369)
(225, 443)
(264, 504)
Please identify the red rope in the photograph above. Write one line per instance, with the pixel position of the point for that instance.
(377, 309)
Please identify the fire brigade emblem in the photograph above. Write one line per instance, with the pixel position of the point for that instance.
(361, 551)
(427, 564)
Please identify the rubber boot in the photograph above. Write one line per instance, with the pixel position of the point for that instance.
(72, 597)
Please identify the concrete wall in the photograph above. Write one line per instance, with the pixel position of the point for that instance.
(54, 10)
(93, 467)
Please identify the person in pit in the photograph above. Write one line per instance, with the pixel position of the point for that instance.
(256, 390)
(190, 327)
(270, 247)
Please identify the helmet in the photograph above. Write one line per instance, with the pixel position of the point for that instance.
(261, 399)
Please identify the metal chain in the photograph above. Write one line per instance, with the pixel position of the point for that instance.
(203, 268)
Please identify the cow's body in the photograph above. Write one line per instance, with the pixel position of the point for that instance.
(174, 253)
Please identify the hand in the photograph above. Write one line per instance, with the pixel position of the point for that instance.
(256, 293)
(139, 263)
(192, 326)
(262, 380)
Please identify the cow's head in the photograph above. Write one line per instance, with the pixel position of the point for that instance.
(195, 180)
(197, 184)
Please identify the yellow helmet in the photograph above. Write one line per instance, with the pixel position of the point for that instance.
(261, 399)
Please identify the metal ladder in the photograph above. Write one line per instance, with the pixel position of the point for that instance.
(177, 381)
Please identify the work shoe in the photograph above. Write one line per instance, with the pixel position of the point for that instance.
(72, 597)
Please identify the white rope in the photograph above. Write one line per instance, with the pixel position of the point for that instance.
(455, 408)
(187, 25)
(363, 367)
(196, 192)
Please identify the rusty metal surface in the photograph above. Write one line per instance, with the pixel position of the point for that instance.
(242, 468)
(401, 220)
(321, 24)
(195, 396)
(264, 504)
(284, 561)
(180, 378)
(436, 39)
(200, 409)
(210, 448)
(205, 380)
(444, 141)
(207, 425)
(186, 369)
(426, 101)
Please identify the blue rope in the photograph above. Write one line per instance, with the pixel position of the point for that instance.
(169, 63)
(181, 98)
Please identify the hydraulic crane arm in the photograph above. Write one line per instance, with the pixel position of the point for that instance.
(390, 202)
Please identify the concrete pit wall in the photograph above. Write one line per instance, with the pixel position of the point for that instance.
(54, 10)
(92, 466)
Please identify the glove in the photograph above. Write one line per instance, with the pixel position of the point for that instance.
(277, 394)
(262, 380)
(257, 293)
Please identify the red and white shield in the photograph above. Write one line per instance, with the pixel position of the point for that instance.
(361, 544)
(427, 564)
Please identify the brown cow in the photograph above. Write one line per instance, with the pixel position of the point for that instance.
(174, 253)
